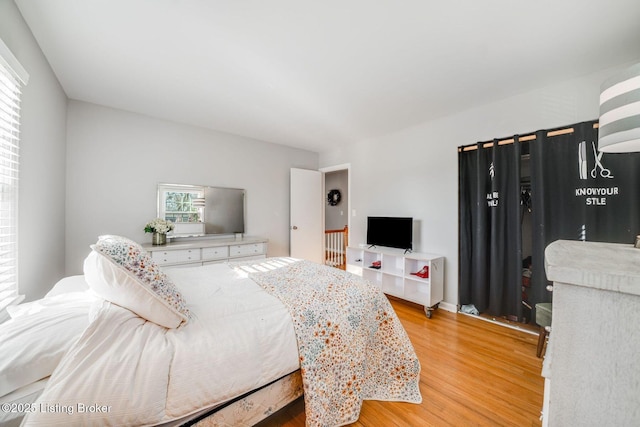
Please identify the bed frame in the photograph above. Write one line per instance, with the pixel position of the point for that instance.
(245, 410)
(254, 406)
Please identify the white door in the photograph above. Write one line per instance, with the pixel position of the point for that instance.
(306, 228)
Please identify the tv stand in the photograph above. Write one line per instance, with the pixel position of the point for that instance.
(391, 271)
(406, 251)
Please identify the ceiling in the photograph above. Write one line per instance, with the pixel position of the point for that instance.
(320, 74)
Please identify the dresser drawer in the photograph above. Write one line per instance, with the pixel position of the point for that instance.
(246, 250)
(215, 253)
(170, 257)
(206, 251)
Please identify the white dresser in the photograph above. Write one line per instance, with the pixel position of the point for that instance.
(592, 363)
(200, 251)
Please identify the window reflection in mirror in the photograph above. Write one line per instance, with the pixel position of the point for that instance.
(184, 206)
(198, 210)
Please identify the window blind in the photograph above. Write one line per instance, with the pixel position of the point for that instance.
(12, 76)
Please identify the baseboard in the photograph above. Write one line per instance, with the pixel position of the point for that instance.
(446, 306)
(506, 325)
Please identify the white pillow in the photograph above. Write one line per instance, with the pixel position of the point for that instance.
(120, 271)
(68, 284)
(66, 300)
(33, 343)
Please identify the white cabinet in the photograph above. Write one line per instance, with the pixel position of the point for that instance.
(591, 369)
(393, 272)
(207, 251)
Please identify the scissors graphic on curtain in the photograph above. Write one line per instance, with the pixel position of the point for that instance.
(604, 172)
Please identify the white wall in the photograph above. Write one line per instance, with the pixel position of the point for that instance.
(42, 161)
(414, 172)
(116, 159)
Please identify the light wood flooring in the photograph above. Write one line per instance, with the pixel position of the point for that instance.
(474, 373)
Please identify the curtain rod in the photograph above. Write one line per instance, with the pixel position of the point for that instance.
(525, 138)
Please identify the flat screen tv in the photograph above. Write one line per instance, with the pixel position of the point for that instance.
(392, 232)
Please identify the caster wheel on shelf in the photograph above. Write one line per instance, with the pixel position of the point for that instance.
(429, 310)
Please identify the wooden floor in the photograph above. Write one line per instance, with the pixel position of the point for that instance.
(474, 373)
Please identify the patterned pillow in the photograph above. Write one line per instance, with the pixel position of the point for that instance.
(120, 271)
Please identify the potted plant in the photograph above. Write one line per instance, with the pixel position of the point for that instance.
(159, 227)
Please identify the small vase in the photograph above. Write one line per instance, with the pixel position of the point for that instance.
(159, 239)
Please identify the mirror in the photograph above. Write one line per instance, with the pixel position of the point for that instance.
(199, 210)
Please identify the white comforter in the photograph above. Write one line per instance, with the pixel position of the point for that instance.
(127, 371)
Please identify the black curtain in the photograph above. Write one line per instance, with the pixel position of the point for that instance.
(579, 193)
(490, 264)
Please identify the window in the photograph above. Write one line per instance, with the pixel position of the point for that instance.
(12, 78)
(184, 206)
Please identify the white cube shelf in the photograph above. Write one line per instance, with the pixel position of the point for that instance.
(394, 277)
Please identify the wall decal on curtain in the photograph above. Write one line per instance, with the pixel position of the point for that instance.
(580, 193)
(490, 246)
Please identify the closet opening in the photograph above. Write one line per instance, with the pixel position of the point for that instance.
(526, 227)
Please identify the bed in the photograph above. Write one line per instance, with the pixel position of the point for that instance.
(222, 344)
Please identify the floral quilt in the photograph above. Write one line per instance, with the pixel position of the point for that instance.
(351, 344)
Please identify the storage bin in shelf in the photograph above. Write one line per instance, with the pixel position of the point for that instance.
(372, 275)
(393, 285)
(357, 270)
(354, 257)
(354, 261)
(417, 290)
(395, 276)
(370, 258)
(413, 266)
(392, 264)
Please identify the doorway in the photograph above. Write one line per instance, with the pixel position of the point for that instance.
(336, 214)
(316, 207)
